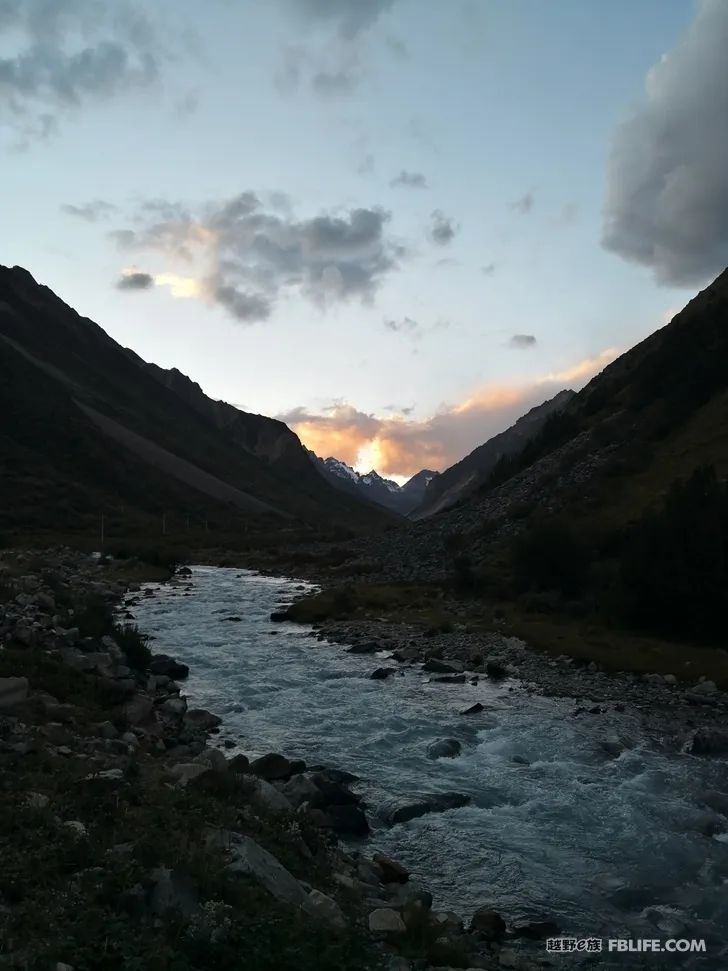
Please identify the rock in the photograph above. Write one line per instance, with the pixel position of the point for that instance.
(13, 691)
(442, 667)
(212, 758)
(474, 709)
(705, 688)
(164, 664)
(278, 616)
(46, 602)
(370, 647)
(184, 571)
(445, 748)
(183, 772)
(381, 673)
(271, 767)
(716, 800)
(488, 924)
(611, 746)
(198, 719)
(346, 820)
(669, 679)
(496, 670)
(266, 796)
(234, 620)
(325, 910)
(390, 871)
(250, 859)
(536, 930)
(385, 922)
(438, 803)
(708, 741)
(447, 921)
(173, 890)
(174, 707)
(35, 800)
(301, 789)
(76, 827)
(138, 710)
(239, 764)
(449, 679)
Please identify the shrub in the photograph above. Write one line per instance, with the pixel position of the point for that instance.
(135, 646)
(549, 556)
(95, 619)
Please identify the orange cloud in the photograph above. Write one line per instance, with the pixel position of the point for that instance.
(401, 446)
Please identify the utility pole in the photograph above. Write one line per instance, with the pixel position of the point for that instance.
(164, 524)
(102, 532)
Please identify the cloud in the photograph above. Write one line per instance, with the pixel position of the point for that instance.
(522, 341)
(333, 60)
(349, 18)
(488, 269)
(409, 180)
(91, 211)
(406, 325)
(402, 446)
(524, 204)
(667, 179)
(59, 55)
(134, 280)
(248, 251)
(443, 229)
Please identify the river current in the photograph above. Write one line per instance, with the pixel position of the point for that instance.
(609, 847)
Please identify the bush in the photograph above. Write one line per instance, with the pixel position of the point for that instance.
(95, 619)
(674, 565)
(549, 556)
(135, 646)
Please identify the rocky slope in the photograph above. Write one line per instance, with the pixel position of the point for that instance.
(463, 478)
(94, 429)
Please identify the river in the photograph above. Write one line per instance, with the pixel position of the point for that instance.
(609, 847)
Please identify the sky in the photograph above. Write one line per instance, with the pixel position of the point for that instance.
(395, 224)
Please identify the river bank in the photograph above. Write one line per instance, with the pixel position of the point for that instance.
(130, 839)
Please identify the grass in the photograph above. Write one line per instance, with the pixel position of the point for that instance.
(615, 649)
(407, 603)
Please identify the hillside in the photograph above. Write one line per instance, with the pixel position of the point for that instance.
(655, 414)
(463, 478)
(92, 429)
(372, 487)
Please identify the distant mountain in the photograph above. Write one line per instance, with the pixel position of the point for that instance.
(89, 428)
(372, 487)
(471, 472)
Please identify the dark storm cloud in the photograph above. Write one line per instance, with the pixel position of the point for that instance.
(522, 341)
(252, 252)
(443, 229)
(135, 281)
(58, 55)
(667, 177)
(410, 180)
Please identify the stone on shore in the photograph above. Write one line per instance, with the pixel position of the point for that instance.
(488, 924)
(385, 922)
(13, 691)
(444, 748)
(273, 767)
(389, 870)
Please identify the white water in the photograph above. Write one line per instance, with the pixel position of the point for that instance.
(608, 847)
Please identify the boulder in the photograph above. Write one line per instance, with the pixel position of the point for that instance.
(705, 688)
(183, 772)
(278, 616)
(266, 797)
(443, 667)
(13, 691)
(198, 719)
(138, 710)
(488, 924)
(449, 679)
(379, 674)
(212, 758)
(164, 664)
(495, 669)
(174, 707)
(370, 647)
(272, 767)
(385, 922)
(346, 820)
(437, 803)
(325, 910)
(444, 748)
(473, 709)
(389, 870)
(250, 859)
(708, 741)
(239, 764)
